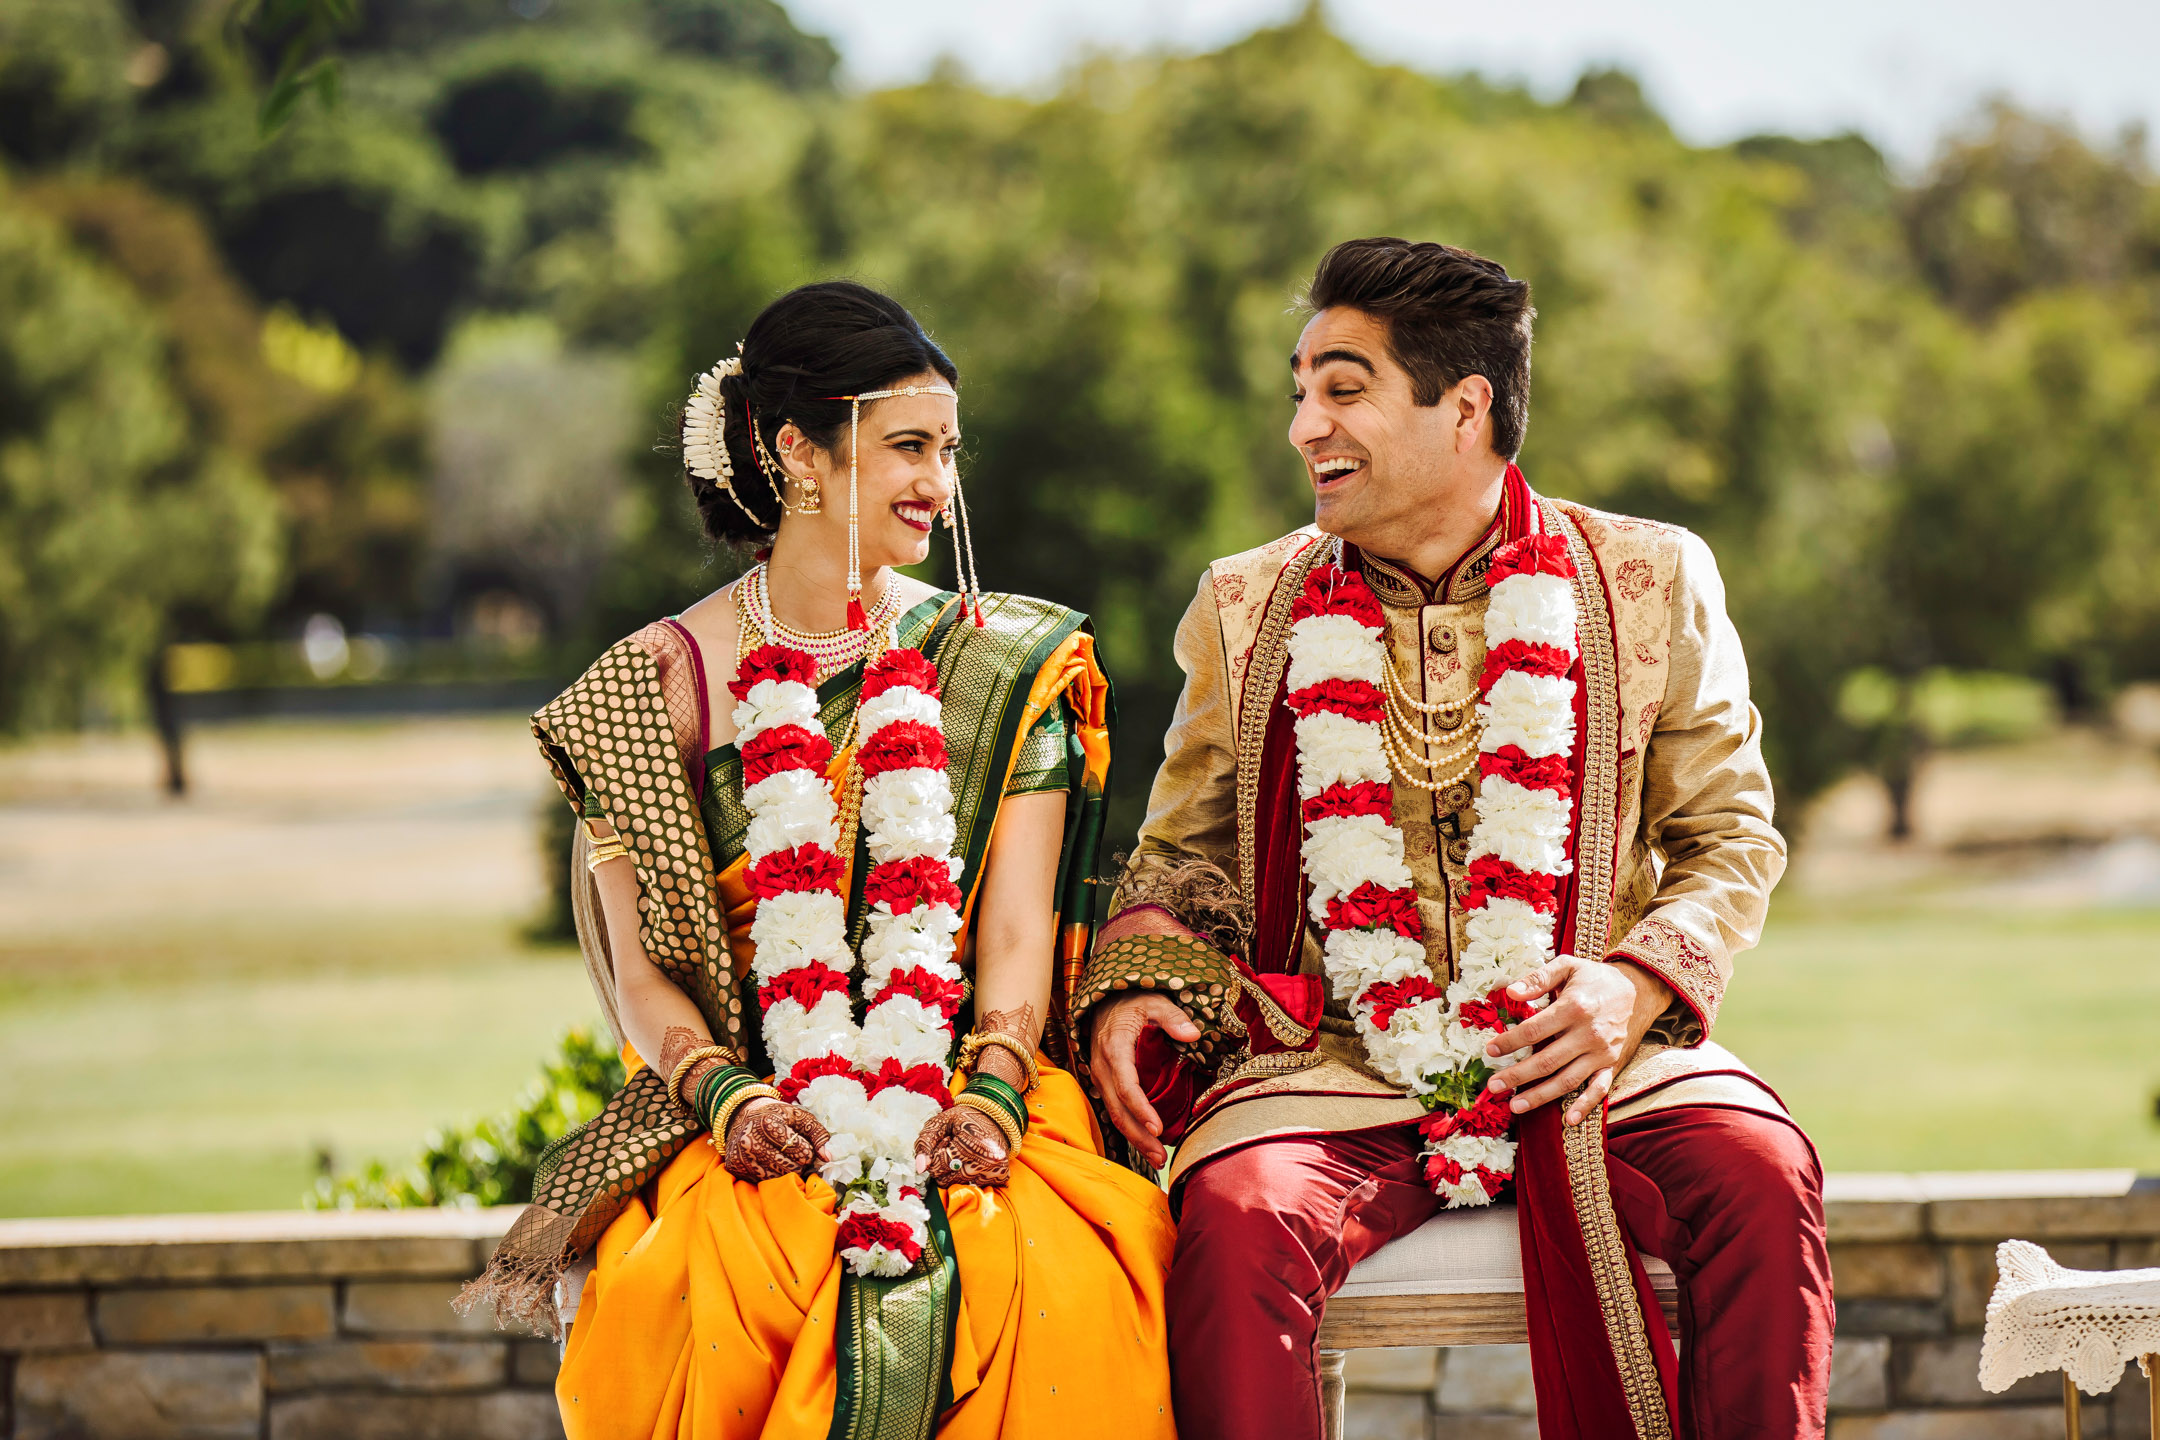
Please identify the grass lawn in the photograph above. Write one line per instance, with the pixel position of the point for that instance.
(207, 1073)
(1959, 1037)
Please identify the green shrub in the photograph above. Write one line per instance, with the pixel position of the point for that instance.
(491, 1162)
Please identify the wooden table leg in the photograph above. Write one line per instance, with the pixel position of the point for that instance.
(2073, 1428)
(1331, 1393)
(2152, 1393)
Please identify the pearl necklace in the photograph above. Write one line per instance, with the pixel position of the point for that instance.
(833, 650)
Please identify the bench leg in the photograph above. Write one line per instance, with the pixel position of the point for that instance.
(2073, 1426)
(1331, 1393)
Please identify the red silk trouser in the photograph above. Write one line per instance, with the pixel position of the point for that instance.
(1732, 1200)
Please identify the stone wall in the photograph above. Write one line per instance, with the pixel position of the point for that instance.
(1913, 1259)
(291, 1326)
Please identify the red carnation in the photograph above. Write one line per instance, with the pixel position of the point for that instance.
(1390, 996)
(904, 884)
(804, 867)
(1493, 1181)
(1492, 878)
(866, 1229)
(784, 747)
(902, 745)
(1496, 1012)
(1543, 772)
(897, 668)
(772, 662)
(1529, 656)
(805, 985)
(1371, 908)
(1490, 1116)
(1531, 555)
(926, 1080)
(1439, 1170)
(1358, 699)
(934, 991)
(815, 1067)
(1367, 797)
(1330, 590)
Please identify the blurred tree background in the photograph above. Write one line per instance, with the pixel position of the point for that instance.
(407, 359)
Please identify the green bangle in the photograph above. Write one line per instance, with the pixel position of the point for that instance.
(1004, 1096)
(714, 1088)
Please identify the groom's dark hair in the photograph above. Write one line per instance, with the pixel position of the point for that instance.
(1449, 313)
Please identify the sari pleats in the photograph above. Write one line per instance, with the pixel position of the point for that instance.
(710, 1315)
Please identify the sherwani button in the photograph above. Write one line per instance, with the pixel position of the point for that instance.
(1442, 640)
(1457, 796)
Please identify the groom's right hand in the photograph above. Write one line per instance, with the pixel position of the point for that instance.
(1119, 1024)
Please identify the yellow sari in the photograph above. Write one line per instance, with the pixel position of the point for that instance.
(712, 1306)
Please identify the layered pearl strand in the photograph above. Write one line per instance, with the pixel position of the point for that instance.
(1408, 736)
(833, 650)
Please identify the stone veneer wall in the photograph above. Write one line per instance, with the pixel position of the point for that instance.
(292, 1326)
(1913, 1260)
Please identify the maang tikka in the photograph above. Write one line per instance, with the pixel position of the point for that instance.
(857, 618)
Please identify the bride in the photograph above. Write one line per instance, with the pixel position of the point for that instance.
(836, 828)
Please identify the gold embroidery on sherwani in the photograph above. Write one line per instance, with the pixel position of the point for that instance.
(1595, 857)
(1679, 958)
(1617, 1298)
(1270, 657)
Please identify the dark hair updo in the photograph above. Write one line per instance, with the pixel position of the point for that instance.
(834, 338)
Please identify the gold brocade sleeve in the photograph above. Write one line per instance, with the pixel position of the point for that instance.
(1706, 808)
(1192, 816)
(1192, 809)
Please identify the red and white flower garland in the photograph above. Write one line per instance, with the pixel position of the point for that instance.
(875, 1084)
(1432, 1042)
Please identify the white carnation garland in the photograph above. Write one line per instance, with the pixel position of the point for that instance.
(1429, 1041)
(873, 1084)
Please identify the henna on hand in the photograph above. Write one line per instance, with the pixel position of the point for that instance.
(770, 1138)
(679, 1041)
(963, 1146)
(995, 1060)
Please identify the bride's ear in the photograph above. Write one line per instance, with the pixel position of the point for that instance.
(796, 452)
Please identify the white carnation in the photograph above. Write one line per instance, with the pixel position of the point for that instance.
(1413, 1047)
(793, 1034)
(1463, 1193)
(1492, 1152)
(902, 702)
(908, 813)
(1536, 712)
(1334, 647)
(897, 1117)
(1345, 851)
(790, 808)
(773, 703)
(1536, 609)
(1334, 749)
(1357, 959)
(1524, 827)
(904, 1029)
(923, 936)
(793, 929)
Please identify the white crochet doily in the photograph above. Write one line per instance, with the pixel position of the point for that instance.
(2089, 1323)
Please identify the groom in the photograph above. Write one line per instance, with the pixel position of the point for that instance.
(1206, 1017)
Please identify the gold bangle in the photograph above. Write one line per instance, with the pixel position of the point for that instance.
(601, 854)
(998, 1117)
(682, 1068)
(735, 1102)
(972, 1047)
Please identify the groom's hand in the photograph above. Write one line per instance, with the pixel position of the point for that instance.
(1119, 1024)
(1599, 1014)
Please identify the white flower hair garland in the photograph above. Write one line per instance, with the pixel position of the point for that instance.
(874, 1085)
(1432, 1042)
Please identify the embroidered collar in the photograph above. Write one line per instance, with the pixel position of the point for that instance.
(1401, 587)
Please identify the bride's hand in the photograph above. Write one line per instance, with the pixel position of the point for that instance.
(770, 1138)
(963, 1146)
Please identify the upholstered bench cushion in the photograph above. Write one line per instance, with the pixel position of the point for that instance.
(1458, 1252)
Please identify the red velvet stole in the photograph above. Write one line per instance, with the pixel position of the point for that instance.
(1574, 1367)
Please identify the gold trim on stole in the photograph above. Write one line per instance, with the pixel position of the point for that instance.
(1584, 1144)
(1270, 657)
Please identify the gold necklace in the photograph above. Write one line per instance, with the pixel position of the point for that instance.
(1409, 741)
(833, 650)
